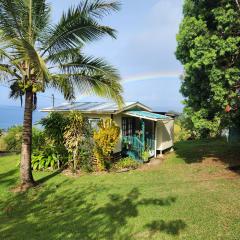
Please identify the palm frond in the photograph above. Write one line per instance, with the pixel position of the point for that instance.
(40, 19)
(4, 55)
(26, 52)
(8, 72)
(15, 91)
(99, 8)
(91, 75)
(75, 28)
(97, 85)
(12, 18)
(63, 85)
(65, 55)
(30, 47)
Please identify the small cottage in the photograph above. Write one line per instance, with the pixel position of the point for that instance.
(142, 130)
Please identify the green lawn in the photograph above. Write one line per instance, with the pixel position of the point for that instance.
(190, 196)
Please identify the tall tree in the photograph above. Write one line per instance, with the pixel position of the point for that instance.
(209, 49)
(36, 54)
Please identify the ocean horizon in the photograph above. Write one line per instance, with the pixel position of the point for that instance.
(13, 115)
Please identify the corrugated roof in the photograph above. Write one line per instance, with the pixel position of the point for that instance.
(147, 115)
(108, 107)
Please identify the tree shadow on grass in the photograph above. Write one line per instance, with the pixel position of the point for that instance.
(56, 213)
(9, 178)
(216, 150)
(49, 176)
(170, 227)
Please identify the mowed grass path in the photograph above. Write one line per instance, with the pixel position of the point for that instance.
(192, 195)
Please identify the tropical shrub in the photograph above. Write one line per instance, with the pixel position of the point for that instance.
(41, 161)
(145, 155)
(77, 139)
(48, 148)
(13, 139)
(194, 127)
(54, 126)
(38, 139)
(67, 136)
(126, 163)
(86, 159)
(47, 156)
(183, 129)
(105, 139)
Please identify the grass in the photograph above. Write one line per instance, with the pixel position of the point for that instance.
(192, 195)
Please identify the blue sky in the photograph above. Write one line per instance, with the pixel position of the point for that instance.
(143, 52)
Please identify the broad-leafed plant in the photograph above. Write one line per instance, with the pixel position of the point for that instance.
(37, 54)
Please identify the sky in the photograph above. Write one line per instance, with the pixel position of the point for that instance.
(143, 53)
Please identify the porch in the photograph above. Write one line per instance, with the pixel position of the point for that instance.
(138, 138)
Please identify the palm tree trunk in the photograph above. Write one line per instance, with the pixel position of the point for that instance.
(25, 166)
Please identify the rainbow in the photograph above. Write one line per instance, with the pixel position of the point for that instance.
(142, 77)
(147, 76)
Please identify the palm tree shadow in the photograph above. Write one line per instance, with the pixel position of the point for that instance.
(170, 227)
(9, 178)
(77, 214)
(48, 177)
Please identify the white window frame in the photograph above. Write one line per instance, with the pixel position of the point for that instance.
(94, 123)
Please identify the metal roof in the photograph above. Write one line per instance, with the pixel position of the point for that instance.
(147, 115)
(94, 107)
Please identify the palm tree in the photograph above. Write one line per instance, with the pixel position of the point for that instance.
(36, 54)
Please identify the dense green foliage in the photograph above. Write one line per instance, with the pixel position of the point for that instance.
(209, 49)
(78, 140)
(67, 140)
(54, 126)
(175, 200)
(45, 160)
(146, 155)
(50, 150)
(12, 139)
(126, 163)
(180, 133)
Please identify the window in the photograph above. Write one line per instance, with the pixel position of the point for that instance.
(130, 127)
(127, 126)
(124, 127)
(94, 123)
